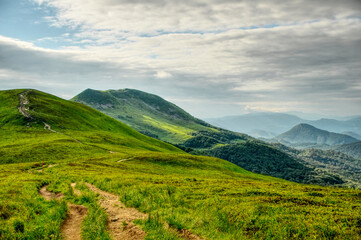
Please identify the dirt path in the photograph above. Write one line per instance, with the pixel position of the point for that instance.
(120, 218)
(186, 234)
(48, 127)
(77, 192)
(23, 104)
(71, 229)
(49, 195)
(125, 159)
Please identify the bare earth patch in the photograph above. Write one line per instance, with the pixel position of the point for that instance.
(71, 229)
(120, 218)
(49, 195)
(77, 192)
(186, 234)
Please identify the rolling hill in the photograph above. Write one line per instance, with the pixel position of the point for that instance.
(63, 147)
(136, 108)
(70, 127)
(148, 113)
(302, 134)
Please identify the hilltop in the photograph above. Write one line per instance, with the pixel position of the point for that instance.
(148, 113)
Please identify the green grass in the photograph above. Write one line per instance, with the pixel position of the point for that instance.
(212, 198)
(145, 112)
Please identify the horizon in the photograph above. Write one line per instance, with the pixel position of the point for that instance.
(212, 62)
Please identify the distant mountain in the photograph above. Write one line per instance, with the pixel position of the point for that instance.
(276, 123)
(332, 125)
(352, 134)
(307, 134)
(351, 149)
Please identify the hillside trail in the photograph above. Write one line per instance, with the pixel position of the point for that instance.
(125, 159)
(23, 105)
(120, 218)
(71, 228)
(24, 110)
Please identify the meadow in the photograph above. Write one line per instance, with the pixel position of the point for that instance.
(209, 197)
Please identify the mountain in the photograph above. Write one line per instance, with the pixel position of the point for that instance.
(269, 122)
(278, 123)
(307, 134)
(351, 149)
(332, 125)
(64, 162)
(157, 117)
(148, 113)
(352, 134)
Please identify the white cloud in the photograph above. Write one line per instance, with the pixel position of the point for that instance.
(162, 74)
(249, 52)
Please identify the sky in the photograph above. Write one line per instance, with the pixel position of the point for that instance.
(211, 57)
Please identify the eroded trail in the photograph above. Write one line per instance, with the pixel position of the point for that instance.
(23, 104)
(49, 195)
(120, 218)
(71, 229)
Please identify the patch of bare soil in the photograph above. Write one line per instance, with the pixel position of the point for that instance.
(71, 229)
(49, 195)
(186, 234)
(120, 218)
(77, 192)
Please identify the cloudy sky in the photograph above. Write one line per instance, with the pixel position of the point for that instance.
(211, 57)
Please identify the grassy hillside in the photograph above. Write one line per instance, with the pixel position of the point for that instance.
(209, 197)
(145, 112)
(77, 130)
(156, 117)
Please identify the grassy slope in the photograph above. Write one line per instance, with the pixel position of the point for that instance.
(211, 197)
(145, 112)
(154, 116)
(98, 134)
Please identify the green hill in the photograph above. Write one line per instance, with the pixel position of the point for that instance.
(76, 130)
(148, 113)
(307, 134)
(159, 118)
(54, 142)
